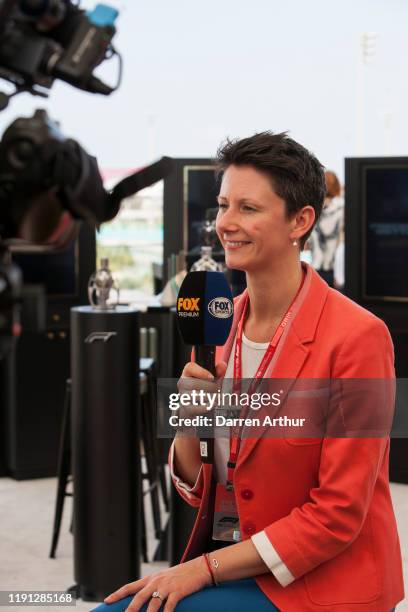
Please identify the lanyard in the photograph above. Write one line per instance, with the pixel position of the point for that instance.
(236, 432)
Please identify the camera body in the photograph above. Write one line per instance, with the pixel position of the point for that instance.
(49, 183)
(46, 179)
(41, 40)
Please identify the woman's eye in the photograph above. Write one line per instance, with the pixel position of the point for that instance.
(222, 205)
(248, 208)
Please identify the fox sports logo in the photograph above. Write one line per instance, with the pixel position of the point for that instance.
(220, 307)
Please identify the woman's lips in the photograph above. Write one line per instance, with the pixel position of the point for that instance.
(233, 245)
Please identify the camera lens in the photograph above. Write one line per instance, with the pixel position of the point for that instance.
(20, 153)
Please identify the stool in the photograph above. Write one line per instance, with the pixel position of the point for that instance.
(64, 468)
(155, 468)
(149, 422)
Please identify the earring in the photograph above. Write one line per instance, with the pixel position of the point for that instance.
(294, 243)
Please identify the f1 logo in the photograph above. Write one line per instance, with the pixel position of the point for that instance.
(99, 337)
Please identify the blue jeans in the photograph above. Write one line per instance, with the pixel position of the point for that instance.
(237, 595)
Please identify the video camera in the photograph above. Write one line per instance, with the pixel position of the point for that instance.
(49, 183)
(42, 40)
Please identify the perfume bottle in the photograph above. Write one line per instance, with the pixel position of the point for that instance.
(206, 262)
(100, 286)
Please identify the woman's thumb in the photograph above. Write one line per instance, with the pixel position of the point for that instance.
(220, 369)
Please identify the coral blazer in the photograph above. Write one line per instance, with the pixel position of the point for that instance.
(324, 504)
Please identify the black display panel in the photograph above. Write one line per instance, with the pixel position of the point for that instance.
(190, 198)
(201, 188)
(385, 250)
(56, 271)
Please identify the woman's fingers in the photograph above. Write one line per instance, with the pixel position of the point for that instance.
(185, 385)
(193, 370)
(172, 585)
(145, 596)
(126, 590)
(171, 603)
(197, 379)
(155, 604)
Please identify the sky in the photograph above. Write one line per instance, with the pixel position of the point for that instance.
(198, 72)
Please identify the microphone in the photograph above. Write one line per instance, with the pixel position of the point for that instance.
(204, 315)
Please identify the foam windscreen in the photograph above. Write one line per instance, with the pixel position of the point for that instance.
(205, 309)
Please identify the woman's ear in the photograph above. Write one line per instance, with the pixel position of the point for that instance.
(302, 222)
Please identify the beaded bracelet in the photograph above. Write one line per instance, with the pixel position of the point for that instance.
(210, 569)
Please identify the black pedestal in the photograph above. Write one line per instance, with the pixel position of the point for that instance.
(105, 449)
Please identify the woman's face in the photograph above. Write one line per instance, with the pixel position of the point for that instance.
(251, 221)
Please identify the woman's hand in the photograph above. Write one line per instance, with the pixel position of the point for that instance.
(196, 378)
(172, 584)
(187, 458)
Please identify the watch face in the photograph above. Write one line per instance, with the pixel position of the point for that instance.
(385, 231)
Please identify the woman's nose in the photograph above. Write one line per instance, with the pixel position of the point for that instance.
(227, 221)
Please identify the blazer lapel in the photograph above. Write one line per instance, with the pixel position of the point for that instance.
(293, 350)
(288, 367)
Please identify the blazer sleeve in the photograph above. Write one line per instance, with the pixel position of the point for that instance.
(192, 495)
(333, 517)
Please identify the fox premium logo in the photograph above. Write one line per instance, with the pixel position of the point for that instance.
(188, 307)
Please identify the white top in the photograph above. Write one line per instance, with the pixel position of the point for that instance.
(252, 353)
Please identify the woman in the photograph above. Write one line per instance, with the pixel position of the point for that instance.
(328, 234)
(316, 525)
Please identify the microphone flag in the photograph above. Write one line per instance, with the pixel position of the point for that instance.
(205, 309)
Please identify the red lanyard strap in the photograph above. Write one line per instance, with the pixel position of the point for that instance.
(236, 432)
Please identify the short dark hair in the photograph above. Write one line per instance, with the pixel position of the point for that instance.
(296, 175)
